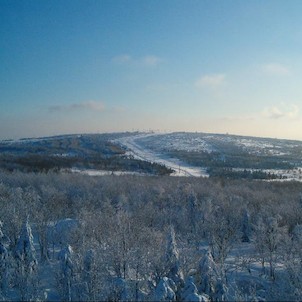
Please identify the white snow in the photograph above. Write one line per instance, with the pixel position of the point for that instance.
(93, 172)
(256, 146)
(138, 151)
(285, 175)
(189, 142)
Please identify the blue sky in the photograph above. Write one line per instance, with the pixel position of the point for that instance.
(99, 66)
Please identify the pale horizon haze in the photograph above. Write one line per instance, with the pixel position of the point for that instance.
(73, 66)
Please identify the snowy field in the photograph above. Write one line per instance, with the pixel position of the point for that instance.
(189, 142)
(202, 142)
(187, 154)
(92, 172)
(138, 151)
(258, 147)
(282, 174)
(155, 147)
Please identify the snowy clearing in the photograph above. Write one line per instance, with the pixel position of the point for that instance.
(138, 151)
(285, 175)
(92, 172)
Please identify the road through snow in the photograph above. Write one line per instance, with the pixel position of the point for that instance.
(138, 151)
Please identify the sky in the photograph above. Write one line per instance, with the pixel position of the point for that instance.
(91, 66)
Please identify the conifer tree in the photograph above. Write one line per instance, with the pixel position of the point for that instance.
(208, 274)
(25, 279)
(4, 263)
(25, 250)
(66, 272)
(174, 271)
(165, 290)
(190, 292)
(246, 227)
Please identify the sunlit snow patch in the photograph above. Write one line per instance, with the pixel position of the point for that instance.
(138, 151)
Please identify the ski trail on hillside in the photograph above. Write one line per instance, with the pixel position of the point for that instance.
(138, 151)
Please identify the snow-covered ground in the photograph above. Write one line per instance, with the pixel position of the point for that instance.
(138, 151)
(92, 172)
(285, 175)
(189, 142)
(256, 146)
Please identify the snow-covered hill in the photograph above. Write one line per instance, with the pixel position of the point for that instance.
(201, 154)
(139, 151)
(176, 154)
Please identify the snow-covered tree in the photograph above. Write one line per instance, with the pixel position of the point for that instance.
(220, 291)
(165, 290)
(1, 232)
(4, 262)
(246, 227)
(223, 229)
(89, 263)
(208, 274)
(192, 211)
(25, 251)
(15, 214)
(66, 274)
(174, 271)
(119, 290)
(26, 264)
(120, 243)
(297, 234)
(268, 238)
(3, 267)
(89, 273)
(190, 292)
(293, 263)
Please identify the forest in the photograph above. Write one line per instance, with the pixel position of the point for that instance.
(89, 151)
(73, 237)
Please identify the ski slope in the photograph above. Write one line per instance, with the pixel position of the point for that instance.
(138, 151)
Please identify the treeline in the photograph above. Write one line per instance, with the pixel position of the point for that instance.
(134, 238)
(45, 163)
(90, 151)
(243, 160)
(243, 174)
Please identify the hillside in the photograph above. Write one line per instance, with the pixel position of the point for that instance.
(79, 152)
(178, 154)
(218, 155)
